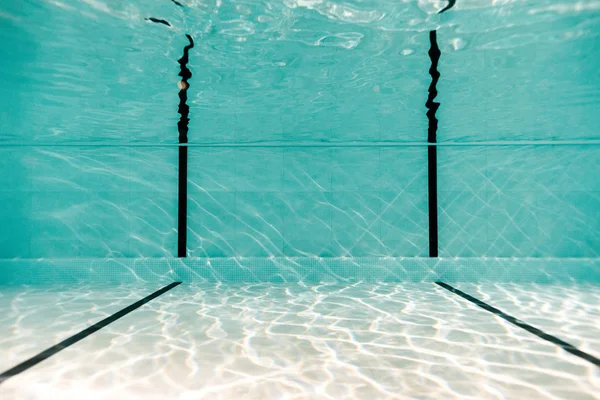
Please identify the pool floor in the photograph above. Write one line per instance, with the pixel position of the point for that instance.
(295, 341)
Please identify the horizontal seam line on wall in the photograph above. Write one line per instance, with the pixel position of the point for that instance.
(314, 145)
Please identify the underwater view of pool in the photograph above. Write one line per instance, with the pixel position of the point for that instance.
(300, 199)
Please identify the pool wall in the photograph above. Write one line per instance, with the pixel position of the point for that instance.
(289, 154)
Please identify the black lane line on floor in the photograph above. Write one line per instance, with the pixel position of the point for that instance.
(541, 334)
(182, 127)
(158, 21)
(432, 106)
(451, 4)
(81, 335)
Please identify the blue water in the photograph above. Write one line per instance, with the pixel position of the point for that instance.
(311, 126)
(296, 76)
(308, 273)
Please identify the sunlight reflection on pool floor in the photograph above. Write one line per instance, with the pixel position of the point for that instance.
(335, 341)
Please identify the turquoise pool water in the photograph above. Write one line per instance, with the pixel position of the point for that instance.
(317, 199)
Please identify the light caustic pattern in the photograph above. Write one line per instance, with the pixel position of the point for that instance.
(258, 341)
(501, 201)
(299, 71)
(289, 74)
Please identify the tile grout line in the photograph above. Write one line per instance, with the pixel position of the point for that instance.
(291, 144)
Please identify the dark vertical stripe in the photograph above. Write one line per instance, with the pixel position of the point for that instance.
(432, 106)
(182, 127)
(539, 333)
(25, 365)
(184, 109)
(433, 201)
(182, 207)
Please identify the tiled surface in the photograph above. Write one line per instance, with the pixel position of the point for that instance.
(575, 306)
(519, 201)
(355, 223)
(307, 201)
(307, 169)
(88, 202)
(304, 269)
(403, 223)
(307, 216)
(299, 73)
(361, 341)
(53, 313)
(494, 201)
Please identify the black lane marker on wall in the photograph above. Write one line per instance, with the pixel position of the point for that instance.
(541, 334)
(81, 335)
(158, 21)
(182, 127)
(451, 4)
(434, 55)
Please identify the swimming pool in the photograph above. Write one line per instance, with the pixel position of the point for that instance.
(264, 340)
(300, 199)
